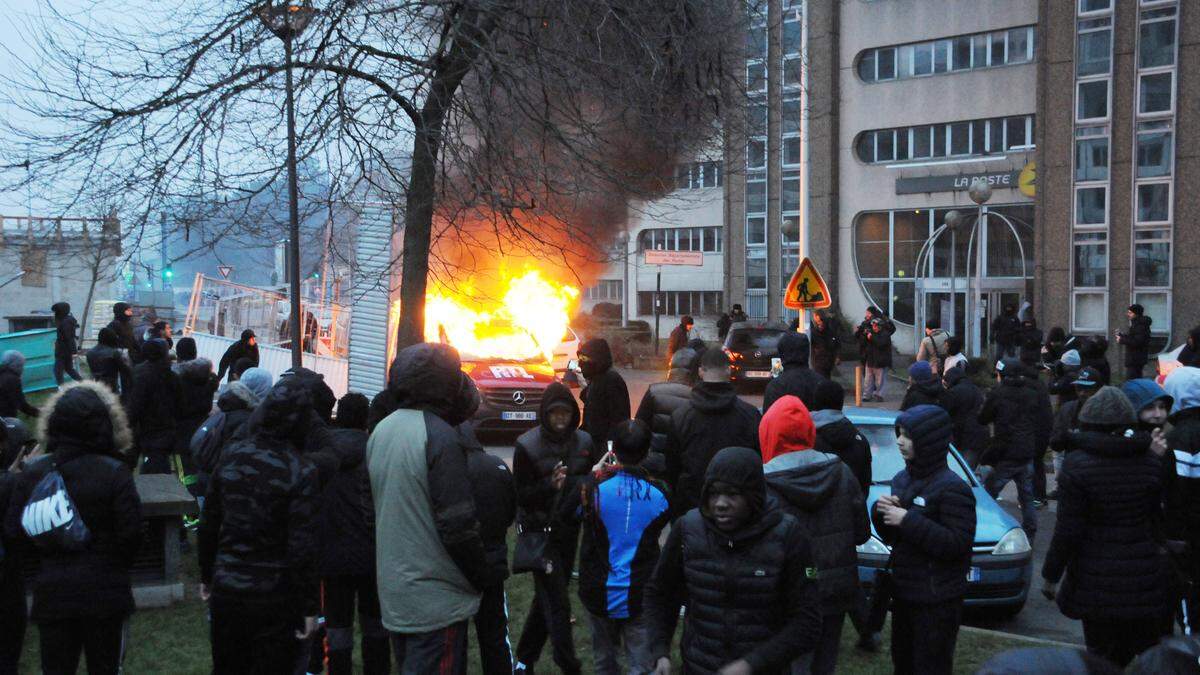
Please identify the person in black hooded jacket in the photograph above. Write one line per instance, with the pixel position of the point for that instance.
(797, 379)
(746, 573)
(1014, 409)
(924, 388)
(154, 406)
(548, 463)
(929, 522)
(495, 495)
(197, 384)
(83, 599)
(346, 557)
(122, 325)
(1136, 341)
(13, 612)
(715, 418)
(245, 347)
(66, 343)
(109, 365)
(661, 400)
(1190, 354)
(1093, 354)
(1106, 539)
(12, 391)
(605, 398)
(963, 401)
(319, 447)
(837, 435)
(258, 540)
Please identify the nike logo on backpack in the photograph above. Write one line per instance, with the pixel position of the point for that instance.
(42, 516)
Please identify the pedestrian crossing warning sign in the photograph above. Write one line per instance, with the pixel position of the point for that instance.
(807, 290)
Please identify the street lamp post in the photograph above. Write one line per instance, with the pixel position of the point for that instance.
(980, 192)
(287, 21)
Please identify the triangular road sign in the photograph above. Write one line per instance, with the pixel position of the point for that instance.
(225, 270)
(807, 290)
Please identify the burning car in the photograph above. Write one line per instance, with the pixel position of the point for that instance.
(509, 339)
(510, 392)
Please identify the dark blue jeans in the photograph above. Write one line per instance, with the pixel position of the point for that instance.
(1021, 474)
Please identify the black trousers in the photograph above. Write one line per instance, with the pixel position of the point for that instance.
(1121, 641)
(441, 651)
(1039, 475)
(253, 641)
(13, 618)
(550, 613)
(65, 365)
(342, 595)
(101, 641)
(491, 631)
(824, 657)
(923, 637)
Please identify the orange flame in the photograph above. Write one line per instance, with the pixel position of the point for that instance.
(527, 323)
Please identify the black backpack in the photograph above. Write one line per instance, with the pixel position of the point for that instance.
(50, 517)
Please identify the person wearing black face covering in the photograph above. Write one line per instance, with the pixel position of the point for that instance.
(746, 573)
(122, 325)
(797, 378)
(548, 463)
(605, 398)
(108, 364)
(154, 405)
(929, 521)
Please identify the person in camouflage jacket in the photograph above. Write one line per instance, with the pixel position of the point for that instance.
(257, 540)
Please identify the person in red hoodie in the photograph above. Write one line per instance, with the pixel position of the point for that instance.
(820, 491)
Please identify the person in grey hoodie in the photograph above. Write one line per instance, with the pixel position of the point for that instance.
(430, 560)
(821, 492)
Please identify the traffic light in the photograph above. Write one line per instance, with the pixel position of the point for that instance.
(168, 274)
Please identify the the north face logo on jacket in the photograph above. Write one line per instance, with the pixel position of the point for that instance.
(44, 515)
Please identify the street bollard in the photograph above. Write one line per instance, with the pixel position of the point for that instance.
(858, 375)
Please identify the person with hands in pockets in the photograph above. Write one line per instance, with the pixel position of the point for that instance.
(929, 522)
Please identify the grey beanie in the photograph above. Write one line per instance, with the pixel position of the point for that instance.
(257, 380)
(1108, 408)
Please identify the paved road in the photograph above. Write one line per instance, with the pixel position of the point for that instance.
(1039, 619)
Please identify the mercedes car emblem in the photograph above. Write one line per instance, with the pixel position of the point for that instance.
(519, 397)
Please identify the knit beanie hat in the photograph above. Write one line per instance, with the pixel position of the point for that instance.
(257, 380)
(1108, 408)
(921, 372)
(1070, 358)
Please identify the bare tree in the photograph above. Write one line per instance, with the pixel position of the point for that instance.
(514, 128)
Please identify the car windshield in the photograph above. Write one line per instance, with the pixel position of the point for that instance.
(886, 461)
(740, 340)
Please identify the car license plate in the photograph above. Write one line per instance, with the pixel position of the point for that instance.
(973, 574)
(519, 416)
(763, 374)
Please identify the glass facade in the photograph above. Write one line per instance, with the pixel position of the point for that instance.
(969, 138)
(887, 245)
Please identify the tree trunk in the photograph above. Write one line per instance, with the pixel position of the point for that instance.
(418, 228)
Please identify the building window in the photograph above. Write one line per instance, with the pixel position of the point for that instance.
(953, 54)
(1092, 101)
(756, 270)
(756, 196)
(707, 239)
(1156, 38)
(1091, 259)
(1154, 153)
(756, 230)
(1090, 312)
(1091, 205)
(972, 138)
(1093, 50)
(1153, 203)
(1091, 159)
(1152, 259)
(1086, 6)
(697, 175)
(1156, 93)
(606, 290)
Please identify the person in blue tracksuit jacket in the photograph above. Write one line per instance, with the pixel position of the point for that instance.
(624, 511)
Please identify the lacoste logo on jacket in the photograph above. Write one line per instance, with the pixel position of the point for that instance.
(45, 515)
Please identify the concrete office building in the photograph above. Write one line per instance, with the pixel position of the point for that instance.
(901, 105)
(1119, 187)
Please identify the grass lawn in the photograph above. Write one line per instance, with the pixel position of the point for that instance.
(175, 640)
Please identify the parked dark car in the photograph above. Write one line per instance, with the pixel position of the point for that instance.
(753, 349)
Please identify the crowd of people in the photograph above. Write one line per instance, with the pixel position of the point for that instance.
(742, 521)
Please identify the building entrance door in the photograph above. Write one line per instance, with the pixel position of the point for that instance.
(991, 306)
